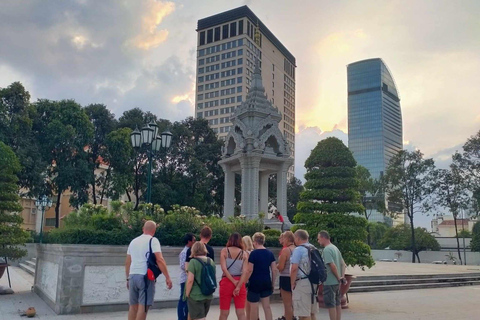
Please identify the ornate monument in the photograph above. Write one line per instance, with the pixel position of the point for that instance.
(256, 148)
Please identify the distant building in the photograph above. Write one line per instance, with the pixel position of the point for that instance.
(444, 226)
(228, 45)
(375, 132)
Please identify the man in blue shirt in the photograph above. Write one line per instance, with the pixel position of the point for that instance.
(182, 308)
(304, 306)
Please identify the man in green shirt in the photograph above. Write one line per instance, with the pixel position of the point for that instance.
(335, 275)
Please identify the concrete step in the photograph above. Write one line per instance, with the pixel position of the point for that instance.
(31, 263)
(413, 286)
(362, 283)
(417, 276)
(27, 268)
(34, 260)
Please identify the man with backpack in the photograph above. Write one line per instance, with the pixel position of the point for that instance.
(305, 305)
(335, 275)
(141, 274)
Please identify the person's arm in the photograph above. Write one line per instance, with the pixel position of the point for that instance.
(249, 271)
(190, 280)
(162, 265)
(344, 267)
(182, 260)
(334, 269)
(243, 278)
(273, 266)
(223, 264)
(293, 274)
(282, 260)
(128, 262)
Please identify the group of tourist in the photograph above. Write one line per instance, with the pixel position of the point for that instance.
(249, 272)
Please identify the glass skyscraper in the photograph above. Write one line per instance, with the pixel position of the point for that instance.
(374, 116)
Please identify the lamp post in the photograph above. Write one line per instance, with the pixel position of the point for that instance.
(148, 137)
(41, 203)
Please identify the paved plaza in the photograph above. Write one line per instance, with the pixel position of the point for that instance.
(448, 303)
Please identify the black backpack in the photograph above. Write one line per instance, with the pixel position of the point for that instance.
(318, 271)
(152, 262)
(209, 281)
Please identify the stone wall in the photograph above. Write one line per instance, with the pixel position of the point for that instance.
(91, 278)
(473, 258)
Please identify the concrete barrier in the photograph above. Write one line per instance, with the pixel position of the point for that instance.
(91, 278)
(473, 258)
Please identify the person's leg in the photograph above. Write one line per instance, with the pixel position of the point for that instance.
(239, 302)
(339, 312)
(132, 312)
(332, 312)
(182, 308)
(287, 304)
(266, 308)
(240, 314)
(253, 311)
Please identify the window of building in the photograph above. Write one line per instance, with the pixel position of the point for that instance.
(202, 38)
(240, 52)
(199, 115)
(240, 61)
(225, 31)
(239, 98)
(240, 27)
(233, 29)
(200, 105)
(201, 70)
(200, 88)
(217, 34)
(50, 222)
(239, 80)
(201, 62)
(239, 70)
(210, 36)
(239, 89)
(201, 53)
(240, 42)
(200, 79)
(200, 97)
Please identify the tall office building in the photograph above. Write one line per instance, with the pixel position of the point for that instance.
(228, 44)
(374, 117)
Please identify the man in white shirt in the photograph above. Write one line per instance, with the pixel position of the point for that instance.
(136, 269)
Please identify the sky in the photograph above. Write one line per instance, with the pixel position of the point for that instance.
(142, 53)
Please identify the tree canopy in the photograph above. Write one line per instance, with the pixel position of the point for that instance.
(330, 196)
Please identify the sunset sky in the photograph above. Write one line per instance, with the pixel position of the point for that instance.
(129, 54)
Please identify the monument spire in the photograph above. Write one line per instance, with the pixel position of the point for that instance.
(257, 77)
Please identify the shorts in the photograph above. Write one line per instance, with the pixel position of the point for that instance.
(331, 296)
(285, 284)
(198, 309)
(137, 290)
(256, 296)
(302, 299)
(226, 294)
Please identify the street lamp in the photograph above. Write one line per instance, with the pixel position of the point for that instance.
(41, 203)
(149, 138)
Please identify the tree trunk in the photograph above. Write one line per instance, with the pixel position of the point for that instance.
(368, 234)
(418, 257)
(128, 195)
(414, 251)
(105, 184)
(458, 240)
(57, 209)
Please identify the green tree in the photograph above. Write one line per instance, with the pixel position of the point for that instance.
(330, 196)
(398, 238)
(64, 132)
(475, 242)
(120, 177)
(11, 233)
(16, 118)
(294, 189)
(451, 192)
(372, 195)
(469, 164)
(376, 232)
(103, 123)
(409, 183)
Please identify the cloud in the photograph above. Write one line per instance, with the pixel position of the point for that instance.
(306, 139)
(150, 37)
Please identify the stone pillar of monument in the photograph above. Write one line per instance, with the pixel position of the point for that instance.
(264, 192)
(282, 191)
(250, 186)
(229, 191)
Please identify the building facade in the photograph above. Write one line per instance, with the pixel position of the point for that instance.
(375, 132)
(228, 44)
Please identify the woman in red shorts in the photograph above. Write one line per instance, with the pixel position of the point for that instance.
(234, 262)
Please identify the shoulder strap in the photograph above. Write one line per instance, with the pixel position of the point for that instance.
(238, 255)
